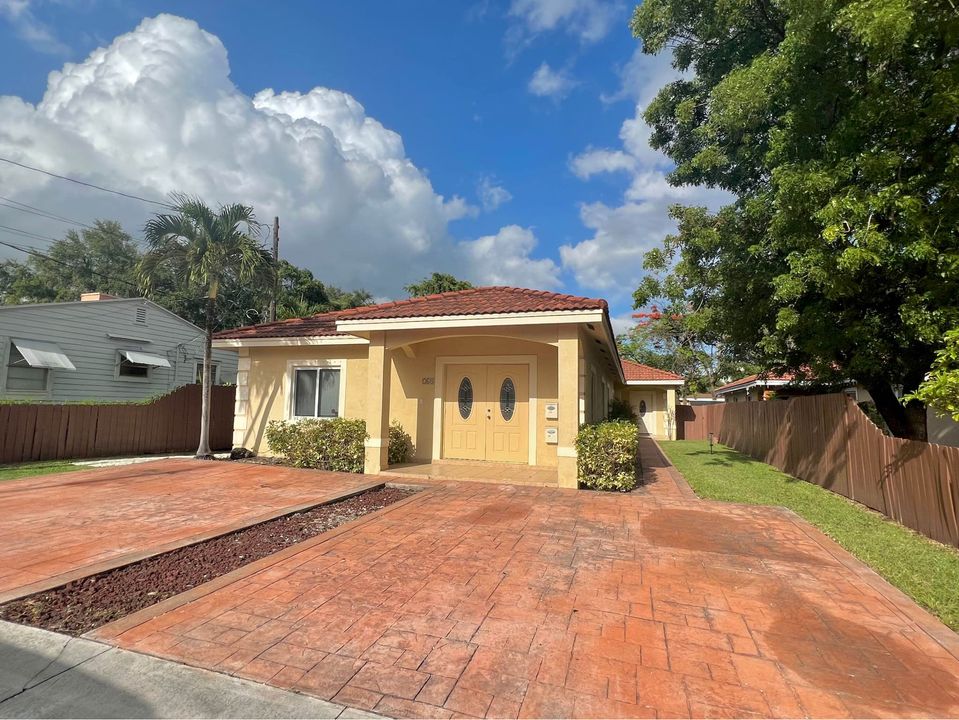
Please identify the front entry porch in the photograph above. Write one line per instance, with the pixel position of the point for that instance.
(463, 470)
(495, 405)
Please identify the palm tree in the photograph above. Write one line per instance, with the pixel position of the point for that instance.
(202, 249)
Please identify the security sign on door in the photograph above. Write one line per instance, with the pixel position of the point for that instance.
(486, 413)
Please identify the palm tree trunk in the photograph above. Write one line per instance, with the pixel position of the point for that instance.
(203, 452)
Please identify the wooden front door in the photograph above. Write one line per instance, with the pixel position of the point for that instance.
(486, 413)
(507, 428)
(464, 426)
(644, 407)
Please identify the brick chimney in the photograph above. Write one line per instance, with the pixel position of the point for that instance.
(95, 296)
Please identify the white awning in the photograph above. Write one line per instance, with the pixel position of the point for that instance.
(43, 354)
(142, 358)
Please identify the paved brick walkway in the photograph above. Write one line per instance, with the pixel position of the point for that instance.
(501, 601)
(58, 527)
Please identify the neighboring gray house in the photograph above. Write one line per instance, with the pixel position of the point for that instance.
(101, 348)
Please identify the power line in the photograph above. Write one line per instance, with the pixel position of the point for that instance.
(30, 234)
(32, 210)
(31, 251)
(86, 184)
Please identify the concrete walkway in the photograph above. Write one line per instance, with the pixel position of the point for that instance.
(485, 600)
(48, 675)
(61, 527)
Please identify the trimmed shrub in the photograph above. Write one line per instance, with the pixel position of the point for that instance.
(334, 444)
(401, 444)
(608, 454)
(621, 410)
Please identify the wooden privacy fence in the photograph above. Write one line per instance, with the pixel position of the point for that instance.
(166, 425)
(829, 441)
(695, 422)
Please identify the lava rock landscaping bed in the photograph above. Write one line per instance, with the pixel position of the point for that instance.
(88, 603)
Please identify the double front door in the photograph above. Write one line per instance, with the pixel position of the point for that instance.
(486, 413)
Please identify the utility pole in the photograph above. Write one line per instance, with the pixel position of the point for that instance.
(276, 268)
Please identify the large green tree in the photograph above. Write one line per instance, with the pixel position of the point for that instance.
(670, 340)
(205, 250)
(102, 257)
(435, 284)
(834, 122)
(302, 294)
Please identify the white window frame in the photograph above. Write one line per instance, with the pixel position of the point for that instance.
(131, 378)
(199, 368)
(313, 364)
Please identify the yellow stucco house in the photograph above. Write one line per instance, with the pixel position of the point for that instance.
(491, 377)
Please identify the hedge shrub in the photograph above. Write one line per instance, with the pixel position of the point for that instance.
(334, 444)
(622, 410)
(608, 455)
(401, 444)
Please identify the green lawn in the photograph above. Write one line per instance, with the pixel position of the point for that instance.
(12, 472)
(925, 570)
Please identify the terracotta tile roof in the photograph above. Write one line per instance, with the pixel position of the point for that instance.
(320, 325)
(475, 301)
(636, 371)
(760, 377)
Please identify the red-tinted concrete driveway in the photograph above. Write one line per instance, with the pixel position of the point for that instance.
(59, 527)
(499, 601)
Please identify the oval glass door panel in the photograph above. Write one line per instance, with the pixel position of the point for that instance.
(507, 399)
(642, 407)
(465, 398)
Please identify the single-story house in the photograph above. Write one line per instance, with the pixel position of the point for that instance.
(485, 375)
(101, 348)
(765, 386)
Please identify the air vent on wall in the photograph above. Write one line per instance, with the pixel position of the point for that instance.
(141, 315)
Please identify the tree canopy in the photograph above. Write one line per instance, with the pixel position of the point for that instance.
(941, 387)
(835, 126)
(668, 341)
(104, 258)
(435, 284)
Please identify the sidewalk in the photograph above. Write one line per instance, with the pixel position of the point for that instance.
(48, 675)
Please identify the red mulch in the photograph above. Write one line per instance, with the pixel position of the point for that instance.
(88, 603)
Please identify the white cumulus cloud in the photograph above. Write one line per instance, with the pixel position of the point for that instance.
(504, 259)
(611, 260)
(589, 20)
(547, 82)
(156, 111)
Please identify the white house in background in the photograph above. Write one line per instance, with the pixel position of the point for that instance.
(101, 348)
(764, 386)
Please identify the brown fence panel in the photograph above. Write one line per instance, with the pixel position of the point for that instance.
(168, 424)
(827, 440)
(695, 422)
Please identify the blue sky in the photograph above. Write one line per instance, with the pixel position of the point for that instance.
(515, 154)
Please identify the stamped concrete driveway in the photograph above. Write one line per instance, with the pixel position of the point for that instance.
(502, 601)
(56, 528)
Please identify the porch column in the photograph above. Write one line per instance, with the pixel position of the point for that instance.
(671, 413)
(241, 406)
(377, 406)
(568, 396)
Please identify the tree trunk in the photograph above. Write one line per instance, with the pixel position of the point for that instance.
(203, 452)
(905, 421)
